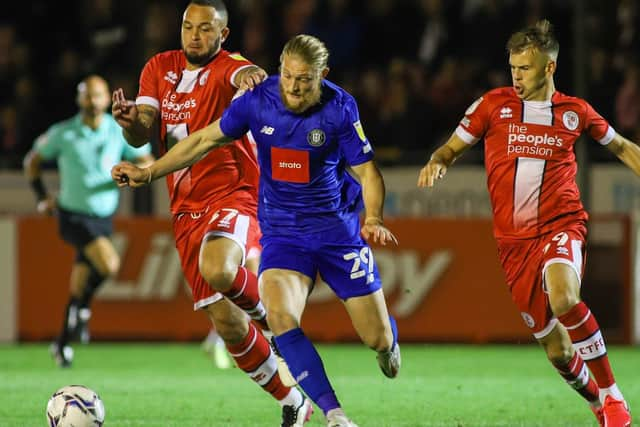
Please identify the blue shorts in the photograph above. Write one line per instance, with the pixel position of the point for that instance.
(79, 229)
(347, 267)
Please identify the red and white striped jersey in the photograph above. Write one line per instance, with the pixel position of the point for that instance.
(188, 101)
(529, 157)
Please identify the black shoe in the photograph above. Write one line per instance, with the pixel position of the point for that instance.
(296, 417)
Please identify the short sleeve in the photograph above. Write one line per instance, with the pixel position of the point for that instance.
(148, 85)
(475, 122)
(48, 144)
(235, 120)
(597, 127)
(234, 64)
(351, 137)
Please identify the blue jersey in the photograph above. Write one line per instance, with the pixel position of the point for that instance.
(304, 184)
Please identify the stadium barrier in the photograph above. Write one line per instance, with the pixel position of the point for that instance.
(443, 283)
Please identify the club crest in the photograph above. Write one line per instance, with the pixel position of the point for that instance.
(570, 120)
(316, 137)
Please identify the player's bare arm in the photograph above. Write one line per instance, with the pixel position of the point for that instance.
(373, 192)
(46, 204)
(184, 153)
(144, 161)
(249, 77)
(136, 120)
(441, 160)
(627, 151)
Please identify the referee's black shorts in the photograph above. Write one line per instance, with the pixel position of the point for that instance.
(80, 229)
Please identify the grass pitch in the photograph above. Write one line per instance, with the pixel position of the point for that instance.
(168, 385)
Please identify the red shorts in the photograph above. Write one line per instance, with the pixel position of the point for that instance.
(190, 229)
(525, 262)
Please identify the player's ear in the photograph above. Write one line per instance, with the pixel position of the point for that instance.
(324, 72)
(551, 67)
(224, 34)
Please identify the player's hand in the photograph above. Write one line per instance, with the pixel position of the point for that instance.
(374, 230)
(123, 110)
(46, 206)
(252, 78)
(127, 174)
(431, 172)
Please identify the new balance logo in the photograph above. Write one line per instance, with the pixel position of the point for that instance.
(506, 113)
(267, 130)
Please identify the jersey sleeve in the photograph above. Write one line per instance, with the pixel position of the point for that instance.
(48, 144)
(235, 120)
(597, 127)
(475, 122)
(148, 85)
(236, 62)
(351, 137)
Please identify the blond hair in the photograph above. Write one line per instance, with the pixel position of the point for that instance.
(538, 37)
(310, 49)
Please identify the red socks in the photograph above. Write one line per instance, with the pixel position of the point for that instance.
(254, 356)
(588, 342)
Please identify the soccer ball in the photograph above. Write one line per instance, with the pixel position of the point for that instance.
(75, 406)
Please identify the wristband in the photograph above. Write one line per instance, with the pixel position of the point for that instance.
(38, 187)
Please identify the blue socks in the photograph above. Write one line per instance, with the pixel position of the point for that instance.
(394, 329)
(306, 367)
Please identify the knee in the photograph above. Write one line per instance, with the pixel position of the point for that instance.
(219, 278)
(562, 303)
(113, 267)
(108, 268)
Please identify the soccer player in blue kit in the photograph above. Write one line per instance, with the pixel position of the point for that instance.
(309, 136)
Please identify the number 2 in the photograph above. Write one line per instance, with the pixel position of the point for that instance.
(363, 257)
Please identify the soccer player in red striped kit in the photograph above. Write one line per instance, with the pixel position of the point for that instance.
(529, 132)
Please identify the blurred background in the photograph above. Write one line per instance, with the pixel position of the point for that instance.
(414, 66)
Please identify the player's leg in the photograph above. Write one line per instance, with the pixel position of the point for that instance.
(248, 347)
(253, 354)
(222, 256)
(82, 232)
(104, 262)
(376, 329)
(560, 352)
(523, 262)
(563, 285)
(351, 272)
(285, 293)
(60, 349)
(254, 252)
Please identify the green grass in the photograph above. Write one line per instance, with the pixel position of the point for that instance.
(167, 385)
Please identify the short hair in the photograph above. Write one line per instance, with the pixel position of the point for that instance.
(221, 10)
(539, 37)
(311, 49)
